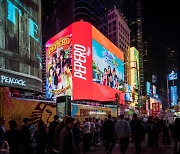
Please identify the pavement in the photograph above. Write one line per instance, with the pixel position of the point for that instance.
(99, 149)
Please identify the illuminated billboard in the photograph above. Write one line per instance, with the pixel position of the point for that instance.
(20, 44)
(148, 88)
(128, 92)
(83, 63)
(174, 96)
(134, 63)
(172, 76)
(107, 68)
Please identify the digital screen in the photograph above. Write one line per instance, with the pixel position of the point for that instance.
(148, 88)
(174, 96)
(154, 90)
(134, 63)
(128, 92)
(20, 43)
(172, 76)
(108, 70)
(58, 65)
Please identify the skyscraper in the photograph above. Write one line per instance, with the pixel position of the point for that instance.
(132, 11)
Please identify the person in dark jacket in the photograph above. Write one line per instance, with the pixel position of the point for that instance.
(51, 131)
(2, 130)
(41, 137)
(176, 136)
(108, 133)
(13, 136)
(58, 129)
(26, 137)
(66, 138)
(137, 130)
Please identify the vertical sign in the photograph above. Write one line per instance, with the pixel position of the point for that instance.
(174, 97)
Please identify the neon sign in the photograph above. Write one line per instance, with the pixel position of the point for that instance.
(9, 80)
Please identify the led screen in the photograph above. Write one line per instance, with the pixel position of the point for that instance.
(128, 92)
(174, 96)
(20, 43)
(172, 76)
(134, 63)
(148, 88)
(58, 65)
(108, 70)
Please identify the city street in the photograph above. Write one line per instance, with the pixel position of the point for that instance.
(99, 149)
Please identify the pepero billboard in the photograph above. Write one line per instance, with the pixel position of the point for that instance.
(75, 62)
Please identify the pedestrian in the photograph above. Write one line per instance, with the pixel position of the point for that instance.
(123, 130)
(108, 132)
(137, 132)
(176, 136)
(58, 128)
(13, 136)
(41, 138)
(26, 137)
(87, 134)
(2, 130)
(165, 132)
(66, 138)
(77, 134)
(51, 131)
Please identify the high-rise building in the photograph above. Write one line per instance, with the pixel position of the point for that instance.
(132, 11)
(20, 45)
(119, 34)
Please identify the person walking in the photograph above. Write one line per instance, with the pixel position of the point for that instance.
(2, 130)
(137, 132)
(58, 129)
(108, 132)
(41, 138)
(176, 136)
(66, 138)
(13, 136)
(26, 137)
(87, 134)
(123, 129)
(51, 131)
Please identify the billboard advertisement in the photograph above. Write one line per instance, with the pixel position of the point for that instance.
(87, 53)
(58, 64)
(174, 96)
(148, 88)
(172, 76)
(108, 70)
(128, 93)
(134, 63)
(20, 43)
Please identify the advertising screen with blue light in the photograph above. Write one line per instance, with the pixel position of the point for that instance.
(108, 70)
(148, 88)
(174, 96)
(128, 92)
(172, 76)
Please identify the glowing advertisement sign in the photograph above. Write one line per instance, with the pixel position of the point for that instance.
(172, 76)
(128, 93)
(154, 90)
(148, 88)
(107, 68)
(174, 96)
(70, 64)
(58, 65)
(134, 63)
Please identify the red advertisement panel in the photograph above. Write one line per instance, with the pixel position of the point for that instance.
(155, 109)
(82, 60)
(58, 64)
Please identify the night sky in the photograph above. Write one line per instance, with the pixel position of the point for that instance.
(161, 25)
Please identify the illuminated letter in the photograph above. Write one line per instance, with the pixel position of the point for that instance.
(33, 29)
(12, 12)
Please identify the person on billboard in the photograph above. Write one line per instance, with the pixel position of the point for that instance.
(104, 77)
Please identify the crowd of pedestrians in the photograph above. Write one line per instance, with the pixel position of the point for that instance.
(64, 137)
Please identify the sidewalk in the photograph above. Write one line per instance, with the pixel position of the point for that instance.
(99, 149)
